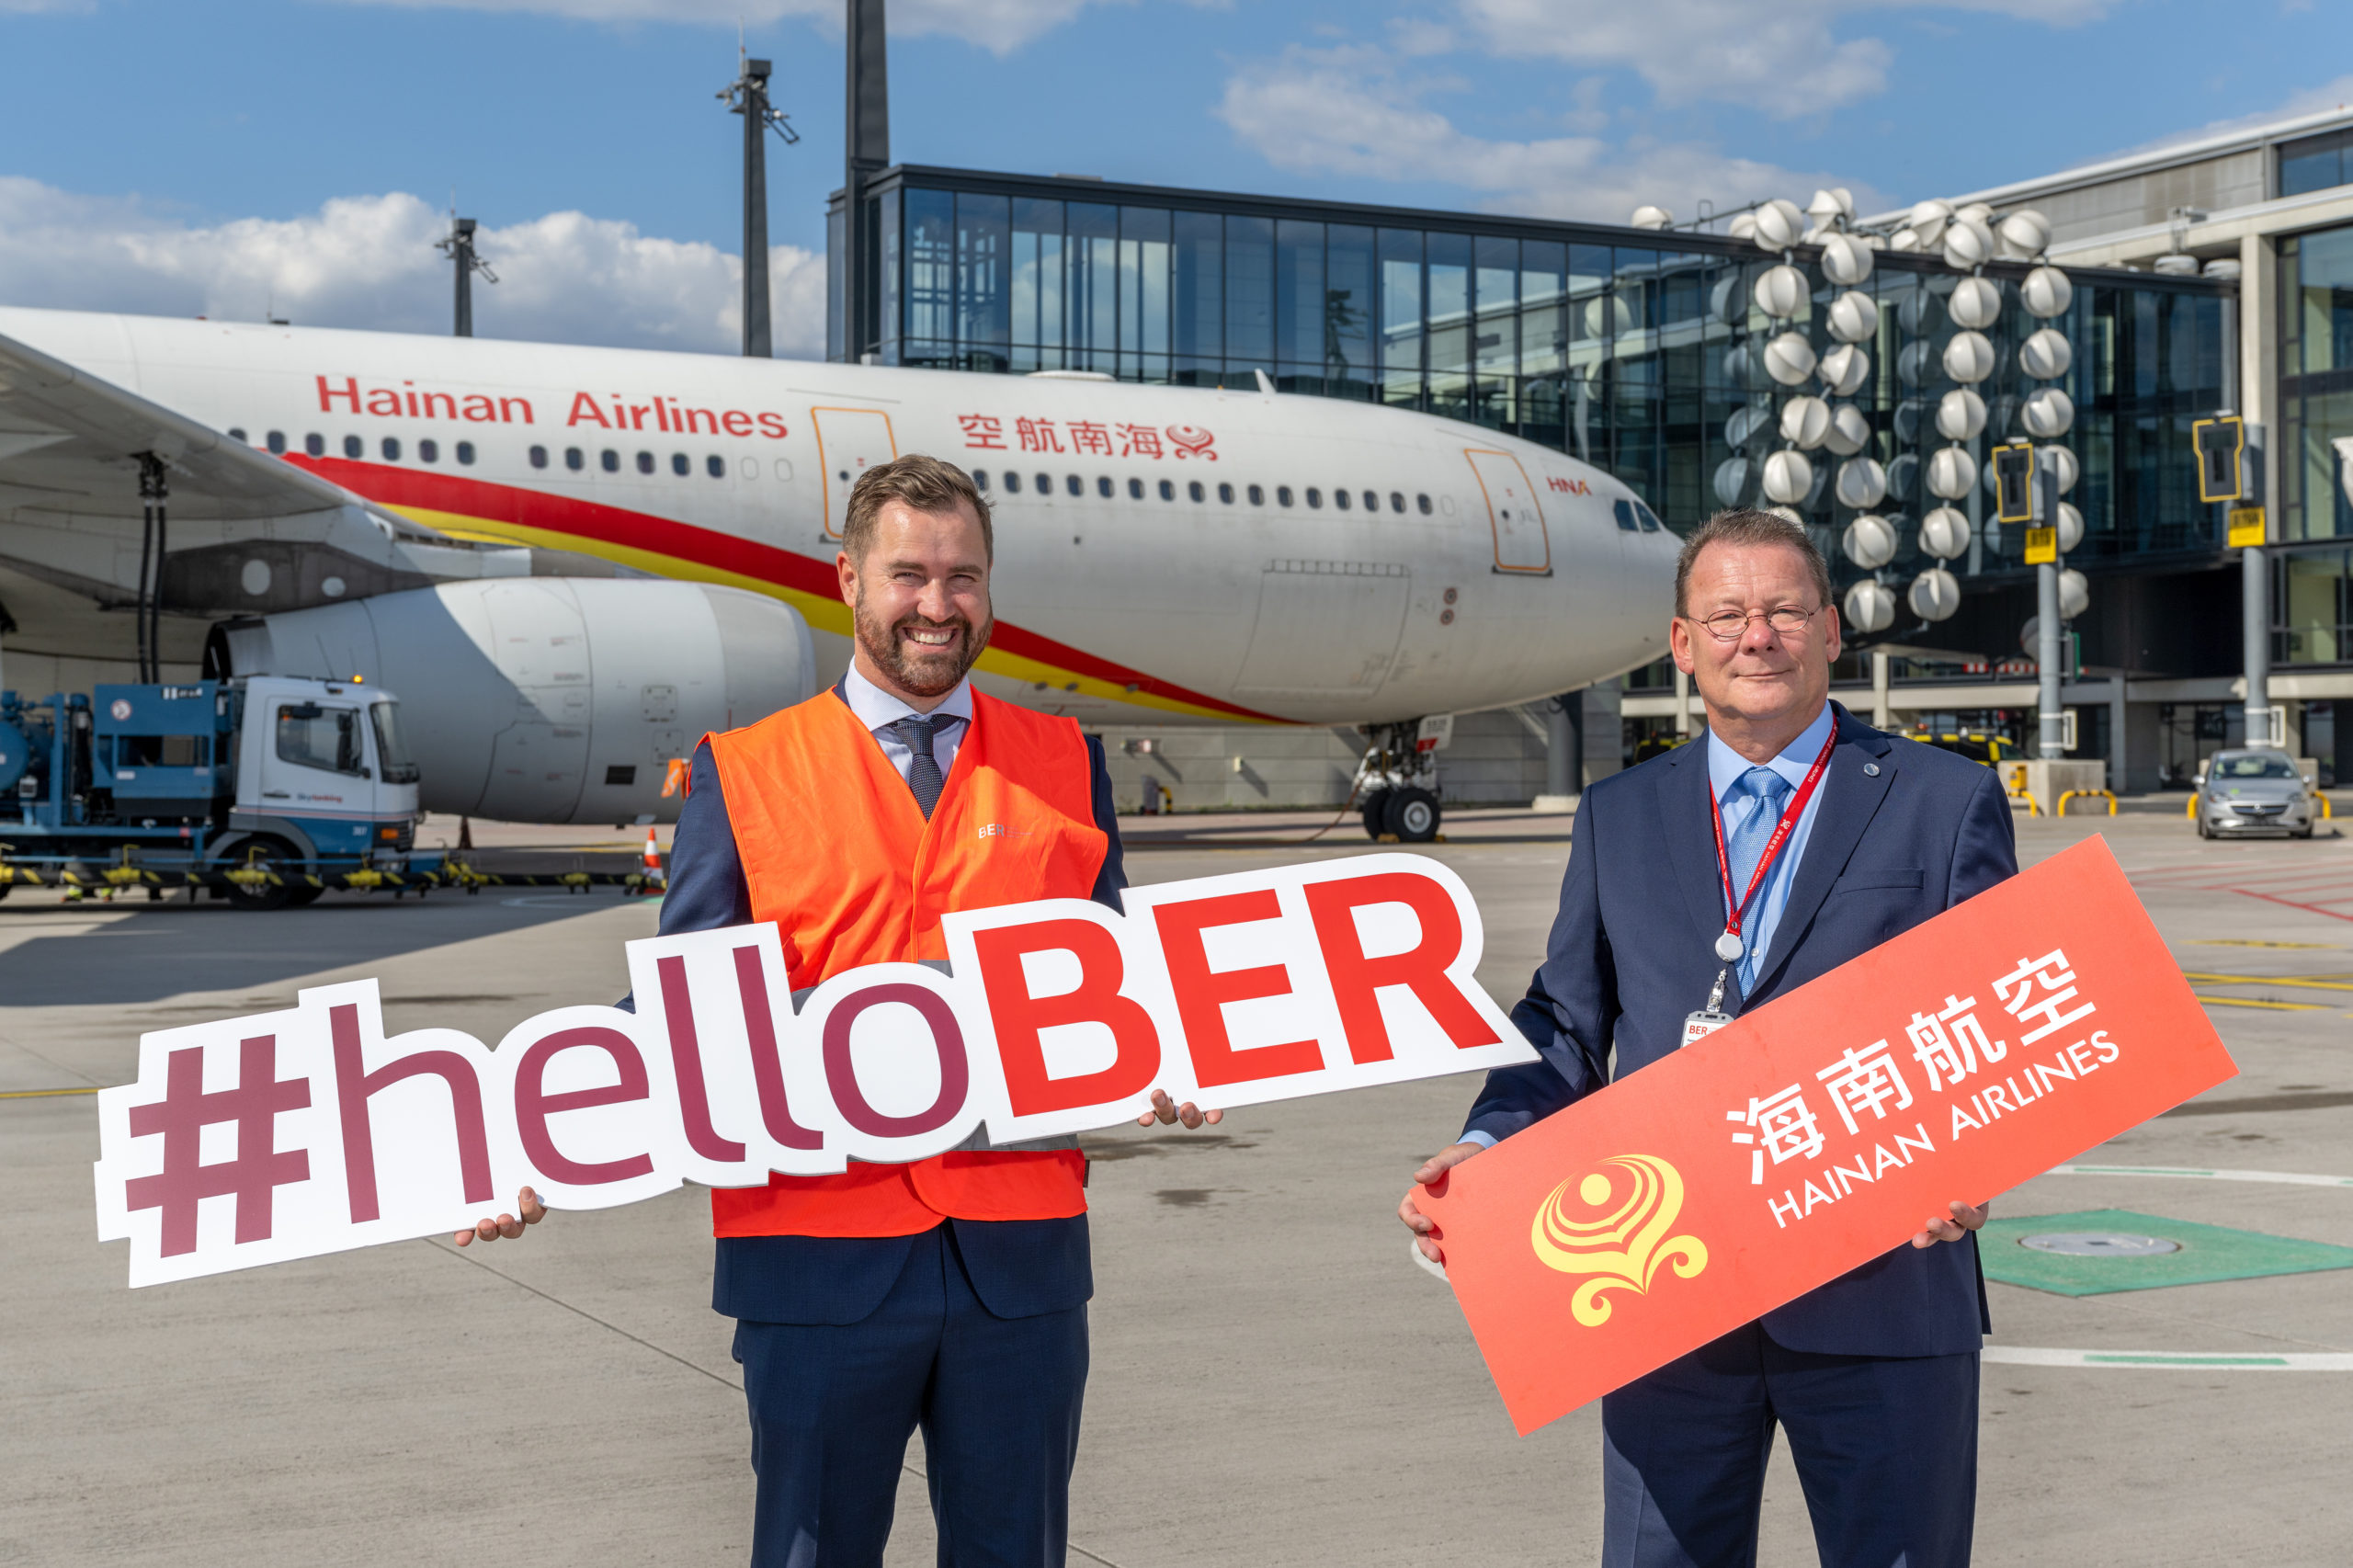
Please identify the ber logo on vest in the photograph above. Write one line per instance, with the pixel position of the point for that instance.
(285, 1135)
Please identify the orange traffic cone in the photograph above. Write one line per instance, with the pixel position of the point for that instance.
(654, 876)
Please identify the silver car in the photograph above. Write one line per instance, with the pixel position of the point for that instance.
(2252, 791)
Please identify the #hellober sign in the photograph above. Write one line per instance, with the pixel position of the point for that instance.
(285, 1135)
(1954, 1062)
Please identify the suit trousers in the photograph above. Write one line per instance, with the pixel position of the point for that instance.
(833, 1404)
(1885, 1446)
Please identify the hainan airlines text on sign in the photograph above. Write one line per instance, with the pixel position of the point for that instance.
(292, 1134)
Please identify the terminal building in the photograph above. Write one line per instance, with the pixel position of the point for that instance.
(2204, 280)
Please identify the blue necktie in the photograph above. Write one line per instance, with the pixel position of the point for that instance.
(1765, 792)
(923, 766)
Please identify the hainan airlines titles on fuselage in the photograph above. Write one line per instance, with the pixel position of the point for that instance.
(1164, 553)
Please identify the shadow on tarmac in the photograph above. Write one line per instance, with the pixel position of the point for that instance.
(171, 948)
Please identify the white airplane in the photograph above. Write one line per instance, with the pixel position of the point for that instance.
(570, 562)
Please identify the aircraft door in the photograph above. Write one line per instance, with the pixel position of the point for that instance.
(849, 441)
(1521, 544)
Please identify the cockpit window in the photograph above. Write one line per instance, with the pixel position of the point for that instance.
(1623, 510)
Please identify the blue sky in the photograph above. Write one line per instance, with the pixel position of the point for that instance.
(283, 155)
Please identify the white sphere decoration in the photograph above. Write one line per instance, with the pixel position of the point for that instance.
(1804, 421)
(1827, 205)
(1648, 217)
(1861, 483)
(1968, 243)
(2045, 355)
(1907, 421)
(1743, 225)
(2071, 528)
(1608, 316)
(2074, 594)
(1944, 533)
(1780, 224)
(1849, 430)
(1870, 542)
(2046, 292)
(1788, 477)
(1969, 357)
(1731, 479)
(1745, 421)
(1854, 317)
(1727, 302)
(1846, 259)
(1904, 474)
(2024, 235)
(1951, 471)
(1912, 362)
(1927, 222)
(1961, 415)
(1869, 607)
(2048, 414)
(1976, 302)
(1935, 596)
(1787, 514)
(2063, 463)
(1904, 239)
(1844, 369)
(1781, 291)
(1788, 358)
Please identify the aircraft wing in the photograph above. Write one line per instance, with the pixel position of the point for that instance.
(247, 532)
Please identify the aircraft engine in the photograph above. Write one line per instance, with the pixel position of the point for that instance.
(552, 699)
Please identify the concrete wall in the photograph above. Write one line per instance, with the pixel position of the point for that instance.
(1495, 759)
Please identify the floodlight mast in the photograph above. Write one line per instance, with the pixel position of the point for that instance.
(748, 95)
(460, 248)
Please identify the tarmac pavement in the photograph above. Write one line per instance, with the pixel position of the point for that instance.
(1274, 1383)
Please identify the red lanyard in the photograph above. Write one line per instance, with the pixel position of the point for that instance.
(1781, 832)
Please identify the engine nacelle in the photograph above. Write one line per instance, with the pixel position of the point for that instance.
(553, 699)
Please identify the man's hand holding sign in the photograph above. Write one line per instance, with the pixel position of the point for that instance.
(1794, 1015)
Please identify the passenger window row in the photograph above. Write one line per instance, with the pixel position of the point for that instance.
(611, 462)
(428, 451)
(1108, 489)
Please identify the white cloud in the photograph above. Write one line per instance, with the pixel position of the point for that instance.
(2329, 96)
(997, 26)
(369, 262)
(1781, 57)
(1347, 111)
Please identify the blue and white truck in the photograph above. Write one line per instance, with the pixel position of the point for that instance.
(265, 790)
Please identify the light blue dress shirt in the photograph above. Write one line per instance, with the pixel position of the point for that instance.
(1725, 767)
(877, 710)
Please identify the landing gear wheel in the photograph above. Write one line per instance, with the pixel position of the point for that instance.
(263, 854)
(1375, 812)
(1412, 813)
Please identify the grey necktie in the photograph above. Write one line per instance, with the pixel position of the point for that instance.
(923, 767)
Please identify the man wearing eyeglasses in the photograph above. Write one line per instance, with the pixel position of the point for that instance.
(1704, 882)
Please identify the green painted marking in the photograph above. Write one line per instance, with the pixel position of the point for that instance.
(2193, 1360)
(2208, 1253)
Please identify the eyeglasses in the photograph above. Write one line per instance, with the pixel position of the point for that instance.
(1731, 625)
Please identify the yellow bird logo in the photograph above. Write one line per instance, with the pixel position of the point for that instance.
(1633, 1202)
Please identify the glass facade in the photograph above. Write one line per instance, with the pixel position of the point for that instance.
(1641, 352)
(2317, 163)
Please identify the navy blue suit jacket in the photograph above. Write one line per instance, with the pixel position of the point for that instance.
(1630, 955)
(1019, 1267)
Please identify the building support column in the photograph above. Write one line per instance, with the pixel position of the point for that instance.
(2116, 755)
(1683, 704)
(1561, 746)
(1883, 710)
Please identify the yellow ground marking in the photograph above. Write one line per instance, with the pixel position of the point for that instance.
(2302, 982)
(822, 613)
(2248, 1002)
(2252, 942)
(45, 1094)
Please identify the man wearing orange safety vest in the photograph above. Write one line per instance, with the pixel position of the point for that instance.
(948, 1294)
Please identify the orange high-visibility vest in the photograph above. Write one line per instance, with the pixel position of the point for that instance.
(837, 852)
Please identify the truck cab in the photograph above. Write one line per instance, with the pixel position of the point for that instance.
(322, 770)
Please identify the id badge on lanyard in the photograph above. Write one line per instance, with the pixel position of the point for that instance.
(1729, 947)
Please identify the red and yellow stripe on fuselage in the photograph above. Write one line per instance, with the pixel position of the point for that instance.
(503, 514)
